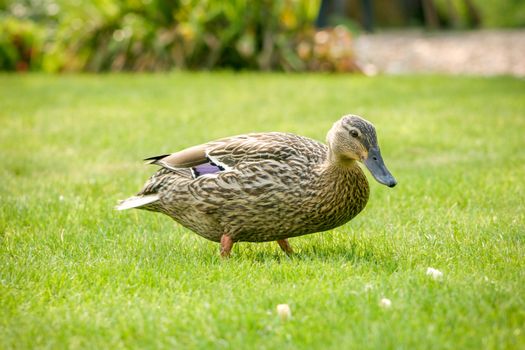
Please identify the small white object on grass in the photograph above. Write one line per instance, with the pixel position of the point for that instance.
(284, 312)
(385, 303)
(434, 273)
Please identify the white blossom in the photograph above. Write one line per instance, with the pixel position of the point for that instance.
(284, 312)
(385, 303)
(434, 273)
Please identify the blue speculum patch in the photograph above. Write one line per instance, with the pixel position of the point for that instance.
(206, 168)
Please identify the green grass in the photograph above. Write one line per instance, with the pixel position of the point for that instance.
(75, 273)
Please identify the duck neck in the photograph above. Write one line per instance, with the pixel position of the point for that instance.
(339, 163)
(345, 175)
(341, 192)
(341, 168)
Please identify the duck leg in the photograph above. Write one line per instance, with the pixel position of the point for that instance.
(285, 246)
(226, 245)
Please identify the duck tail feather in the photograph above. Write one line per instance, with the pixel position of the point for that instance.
(137, 201)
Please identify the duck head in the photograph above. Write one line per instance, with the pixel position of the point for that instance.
(353, 138)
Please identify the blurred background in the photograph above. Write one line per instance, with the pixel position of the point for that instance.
(365, 36)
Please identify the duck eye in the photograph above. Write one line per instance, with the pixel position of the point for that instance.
(354, 133)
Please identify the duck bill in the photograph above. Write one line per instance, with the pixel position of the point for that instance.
(374, 163)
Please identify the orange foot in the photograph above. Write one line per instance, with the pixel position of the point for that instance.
(226, 246)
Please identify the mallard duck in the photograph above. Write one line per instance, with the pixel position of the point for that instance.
(266, 186)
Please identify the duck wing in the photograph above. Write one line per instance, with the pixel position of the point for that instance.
(244, 153)
(228, 153)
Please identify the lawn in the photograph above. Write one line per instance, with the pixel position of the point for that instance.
(75, 273)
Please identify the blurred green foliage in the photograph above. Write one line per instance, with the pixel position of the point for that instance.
(502, 13)
(103, 35)
(151, 35)
(485, 13)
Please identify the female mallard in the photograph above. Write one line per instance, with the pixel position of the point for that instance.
(266, 186)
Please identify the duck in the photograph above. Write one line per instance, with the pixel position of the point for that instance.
(270, 186)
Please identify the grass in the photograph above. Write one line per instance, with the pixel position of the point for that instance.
(75, 273)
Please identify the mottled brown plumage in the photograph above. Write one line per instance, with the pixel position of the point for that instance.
(266, 186)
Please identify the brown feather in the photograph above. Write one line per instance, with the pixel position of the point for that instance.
(184, 159)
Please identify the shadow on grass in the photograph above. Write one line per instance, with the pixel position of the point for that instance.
(359, 255)
(192, 250)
